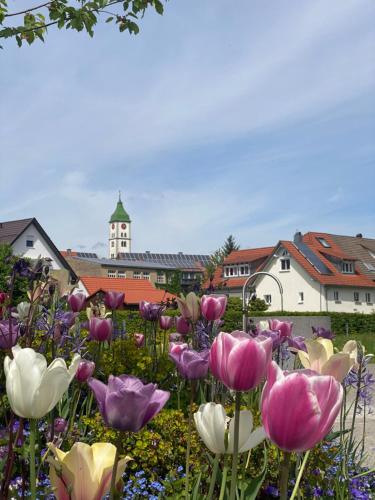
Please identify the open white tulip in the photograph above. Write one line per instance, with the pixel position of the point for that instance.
(212, 424)
(34, 389)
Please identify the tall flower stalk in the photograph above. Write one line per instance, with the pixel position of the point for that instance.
(33, 424)
(233, 485)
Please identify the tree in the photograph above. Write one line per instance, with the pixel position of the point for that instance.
(229, 245)
(7, 261)
(80, 15)
(257, 305)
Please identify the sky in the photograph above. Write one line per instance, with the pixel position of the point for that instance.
(255, 121)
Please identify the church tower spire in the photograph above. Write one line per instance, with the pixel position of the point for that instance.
(119, 231)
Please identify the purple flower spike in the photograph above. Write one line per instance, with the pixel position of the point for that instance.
(190, 364)
(126, 404)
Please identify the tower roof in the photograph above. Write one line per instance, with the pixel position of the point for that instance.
(120, 214)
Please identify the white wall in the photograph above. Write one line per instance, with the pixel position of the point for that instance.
(40, 248)
(346, 301)
(295, 280)
(115, 236)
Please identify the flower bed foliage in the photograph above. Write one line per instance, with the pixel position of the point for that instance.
(224, 421)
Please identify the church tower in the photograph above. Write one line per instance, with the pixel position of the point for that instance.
(119, 231)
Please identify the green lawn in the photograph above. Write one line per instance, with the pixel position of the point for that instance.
(367, 339)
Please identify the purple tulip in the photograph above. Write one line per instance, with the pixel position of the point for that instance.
(299, 408)
(274, 336)
(284, 327)
(139, 339)
(322, 332)
(85, 370)
(8, 338)
(190, 364)
(166, 322)
(76, 301)
(213, 307)
(114, 300)
(149, 310)
(59, 425)
(182, 325)
(240, 361)
(125, 403)
(297, 343)
(100, 329)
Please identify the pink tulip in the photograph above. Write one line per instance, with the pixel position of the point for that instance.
(182, 325)
(76, 302)
(213, 307)
(114, 300)
(166, 322)
(284, 327)
(299, 408)
(139, 339)
(100, 329)
(240, 361)
(85, 370)
(177, 347)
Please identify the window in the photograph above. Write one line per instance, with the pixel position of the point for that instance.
(231, 271)
(112, 243)
(285, 264)
(368, 297)
(111, 273)
(123, 243)
(30, 243)
(356, 297)
(336, 296)
(160, 278)
(347, 267)
(121, 274)
(137, 275)
(112, 255)
(113, 235)
(268, 299)
(300, 297)
(124, 235)
(244, 270)
(369, 266)
(146, 275)
(324, 243)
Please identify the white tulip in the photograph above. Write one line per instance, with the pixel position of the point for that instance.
(33, 389)
(212, 424)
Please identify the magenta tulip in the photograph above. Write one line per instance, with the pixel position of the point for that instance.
(213, 307)
(100, 329)
(182, 325)
(299, 408)
(190, 364)
(114, 300)
(284, 327)
(240, 361)
(76, 301)
(177, 347)
(3, 297)
(139, 339)
(85, 370)
(166, 322)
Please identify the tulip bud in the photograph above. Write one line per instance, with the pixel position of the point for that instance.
(59, 425)
(85, 370)
(100, 329)
(166, 322)
(114, 300)
(139, 339)
(213, 307)
(76, 301)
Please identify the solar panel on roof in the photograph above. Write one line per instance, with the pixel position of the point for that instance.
(312, 257)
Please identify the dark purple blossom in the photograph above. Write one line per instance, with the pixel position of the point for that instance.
(323, 332)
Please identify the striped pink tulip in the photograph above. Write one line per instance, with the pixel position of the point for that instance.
(166, 322)
(299, 407)
(240, 361)
(213, 307)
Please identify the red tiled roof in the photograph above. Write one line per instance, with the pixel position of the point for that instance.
(336, 278)
(247, 255)
(135, 290)
(65, 253)
(311, 239)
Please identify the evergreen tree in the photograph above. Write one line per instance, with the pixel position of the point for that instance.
(230, 244)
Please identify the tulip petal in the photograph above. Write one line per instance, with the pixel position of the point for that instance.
(338, 366)
(210, 421)
(246, 426)
(255, 438)
(156, 403)
(100, 391)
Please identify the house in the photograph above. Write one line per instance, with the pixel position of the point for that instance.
(156, 268)
(134, 290)
(28, 239)
(320, 272)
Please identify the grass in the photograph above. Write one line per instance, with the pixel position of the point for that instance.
(366, 339)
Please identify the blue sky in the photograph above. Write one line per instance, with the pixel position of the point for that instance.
(256, 120)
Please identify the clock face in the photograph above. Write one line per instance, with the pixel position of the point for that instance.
(113, 226)
(123, 226)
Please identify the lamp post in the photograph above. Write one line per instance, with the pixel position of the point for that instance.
(259, 273)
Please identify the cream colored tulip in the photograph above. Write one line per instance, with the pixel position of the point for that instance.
(212, 425)
(84, 472)
(321, 358)
(189, 306)
(33, 389)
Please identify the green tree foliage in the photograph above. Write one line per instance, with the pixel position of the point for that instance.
(229, 246)
(257, 305)
(7, 261)
(80, 15)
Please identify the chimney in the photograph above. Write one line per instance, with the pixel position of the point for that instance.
(147, 251)
(297, 237)
(359, 235)
(69, 251)
(180, 253)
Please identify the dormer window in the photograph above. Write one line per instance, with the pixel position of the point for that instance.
(324, 242)
(347, 267)
(230, 271)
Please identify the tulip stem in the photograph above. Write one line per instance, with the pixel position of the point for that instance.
(213, 476)
(188, 445)
(223, 480)
(284, 475)
(114, 471)
(233, 484)
(300, 472)
(32, 458)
